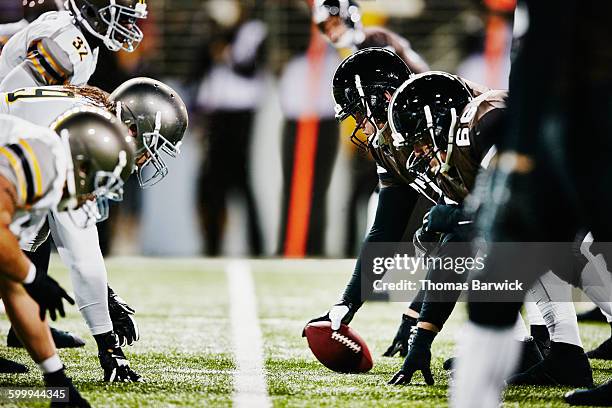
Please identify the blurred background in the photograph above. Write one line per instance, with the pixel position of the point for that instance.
(264, 170)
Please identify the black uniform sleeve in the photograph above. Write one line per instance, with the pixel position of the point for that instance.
(395, 205)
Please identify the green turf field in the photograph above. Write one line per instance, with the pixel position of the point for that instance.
(185, 351)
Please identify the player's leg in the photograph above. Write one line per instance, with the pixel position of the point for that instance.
(80, 251)
(566, 363)
(34, 333)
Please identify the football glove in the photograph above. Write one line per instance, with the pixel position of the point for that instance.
(425, 242)
(49, 295)
(124, 324)
(337, 314)
(444, 218)
(400, 341)
(418, 359)
(114, 363)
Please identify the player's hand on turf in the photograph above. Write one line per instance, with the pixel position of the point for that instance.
(124, 324)
(49, 295)
(337, 314)
(418, 359)
(400, 341)
(115, 364)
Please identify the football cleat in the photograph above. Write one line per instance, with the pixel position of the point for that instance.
(597, 397)
(11, 367)
(61, 338)
(530, 356)
(58, 379)
(602, 352)
(565, 365)
(593, 315)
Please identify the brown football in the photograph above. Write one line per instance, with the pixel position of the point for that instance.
(343, 351)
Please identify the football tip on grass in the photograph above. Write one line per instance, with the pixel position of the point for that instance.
(342, 351)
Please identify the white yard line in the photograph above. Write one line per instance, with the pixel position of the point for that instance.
(250, 389)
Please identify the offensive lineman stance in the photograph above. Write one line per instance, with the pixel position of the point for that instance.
(42, 170)
(157, 118)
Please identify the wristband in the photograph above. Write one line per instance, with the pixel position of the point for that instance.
(31, 275)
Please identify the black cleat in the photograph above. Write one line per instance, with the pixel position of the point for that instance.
(62, 339)
(565, 365)
(59, 379)
(603, 352)
(596, 397)
(11, 367)
(530, 356)
(542, 338)
(593, 315)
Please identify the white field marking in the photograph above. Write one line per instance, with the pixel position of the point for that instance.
(250, 389)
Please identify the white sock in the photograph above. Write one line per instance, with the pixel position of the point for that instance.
(534, 317)
(552, 296)
(51, 365)
(519, 331)
(481, 366)
(597, 284)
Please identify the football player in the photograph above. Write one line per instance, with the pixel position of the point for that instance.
(362, 87)
(451, 136)
(340, 23)
(157, 117)
(86, 153)
(61, 47)
(553, 182)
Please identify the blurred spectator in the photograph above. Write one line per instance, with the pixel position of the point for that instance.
(228, 96)
(309, 147)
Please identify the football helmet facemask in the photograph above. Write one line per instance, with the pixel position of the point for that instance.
(363, 85)
(100, 158)
(423, 114)
(111, 21)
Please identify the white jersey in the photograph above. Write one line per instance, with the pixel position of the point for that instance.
(33, 159)
(41, 105)
(51, 50)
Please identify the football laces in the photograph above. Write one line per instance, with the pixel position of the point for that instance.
(346, 341)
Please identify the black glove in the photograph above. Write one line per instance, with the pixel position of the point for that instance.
(425, 242)
(124, 324)
(341, 313)
(112, 360)
(49, 295)
(418, 359)
(444, 218)
(400, 341)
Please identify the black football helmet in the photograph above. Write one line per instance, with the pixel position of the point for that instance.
(363, 84)
(348, 11)
(111, 21)
(424, 111)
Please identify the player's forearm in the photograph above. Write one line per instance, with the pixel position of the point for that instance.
(13, 262)
(393, 212)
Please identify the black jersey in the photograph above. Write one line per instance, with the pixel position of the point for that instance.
(480, 124)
